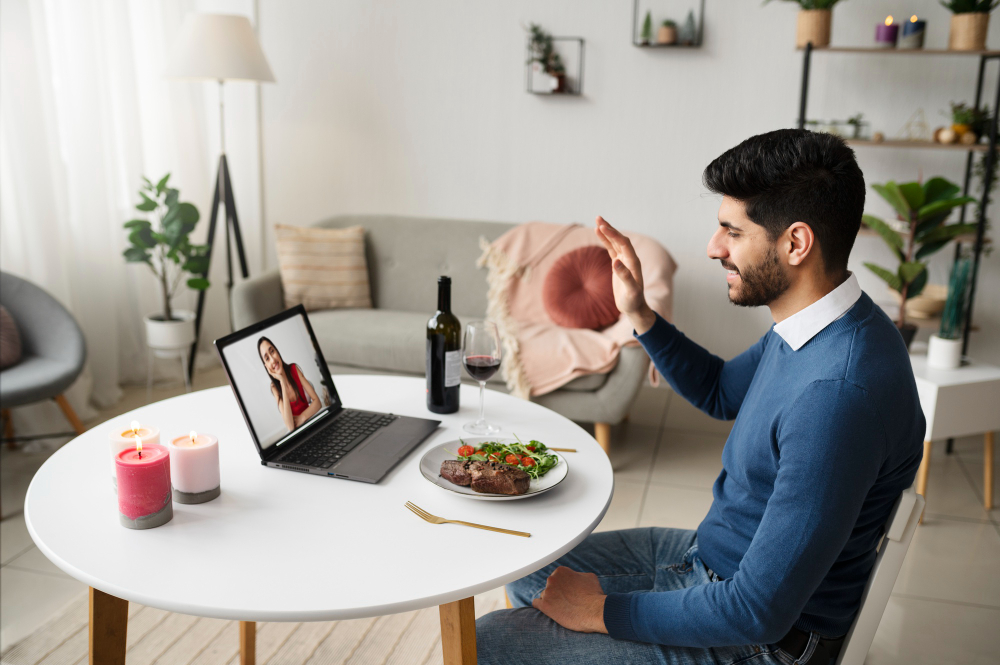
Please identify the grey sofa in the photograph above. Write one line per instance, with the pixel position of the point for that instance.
(405, 257)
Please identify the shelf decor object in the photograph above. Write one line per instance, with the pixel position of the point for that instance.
(886, 34)
(689, 35)
(913, 33)
(985, 174)
(944, 350)
(970, 21)
(545, 72)
(813, 23)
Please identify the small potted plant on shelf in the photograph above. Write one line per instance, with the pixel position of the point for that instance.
(667, 34)
(813, 24)
(545, 61)
(944, 350)
(969, 123)
(969, 22)
(922, 210)
(167, 249)
(646, 36)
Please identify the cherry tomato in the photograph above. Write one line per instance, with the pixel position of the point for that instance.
(531, 448)
(494, 457)
(481, 452)
(527, 461)
(465, 451)
(512, 459)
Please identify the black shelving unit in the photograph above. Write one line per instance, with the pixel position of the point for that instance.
(990, 149)
(699, 31)
(575, 84)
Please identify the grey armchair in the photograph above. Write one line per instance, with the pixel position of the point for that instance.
(53, 351)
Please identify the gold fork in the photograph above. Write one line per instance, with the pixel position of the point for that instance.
(434, 519)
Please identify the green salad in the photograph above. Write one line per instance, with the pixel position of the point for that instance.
(531, 457)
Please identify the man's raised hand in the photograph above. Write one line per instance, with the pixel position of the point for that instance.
(627, 281)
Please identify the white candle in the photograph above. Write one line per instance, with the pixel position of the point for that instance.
(194, 468)
(123, 438)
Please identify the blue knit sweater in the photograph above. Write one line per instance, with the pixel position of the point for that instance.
(825, 440)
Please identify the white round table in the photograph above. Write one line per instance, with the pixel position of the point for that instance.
(285, 546)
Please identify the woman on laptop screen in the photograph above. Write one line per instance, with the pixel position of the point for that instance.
(296, 398)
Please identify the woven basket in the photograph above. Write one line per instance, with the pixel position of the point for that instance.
(813, 26)
(968, 32)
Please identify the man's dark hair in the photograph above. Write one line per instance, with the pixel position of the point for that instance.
(794, 175)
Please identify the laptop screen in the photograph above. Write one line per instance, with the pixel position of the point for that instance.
(278, 375)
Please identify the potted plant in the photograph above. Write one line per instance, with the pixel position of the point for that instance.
(967, 119)
(944, 350)
(969, 21)
(813, 24)
(545, 61)
(647, 29)
(667, 34)
(167, 249)
(923, 210)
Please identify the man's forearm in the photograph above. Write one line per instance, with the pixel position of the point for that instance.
(642, 320)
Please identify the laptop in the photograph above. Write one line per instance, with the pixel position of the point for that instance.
(293, 411)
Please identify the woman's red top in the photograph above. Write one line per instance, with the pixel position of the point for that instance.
(298, 405)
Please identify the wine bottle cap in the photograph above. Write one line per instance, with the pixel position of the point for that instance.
(444, 279)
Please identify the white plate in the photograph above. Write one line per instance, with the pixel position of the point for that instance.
(430, 467)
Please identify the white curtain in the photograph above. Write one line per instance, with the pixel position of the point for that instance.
(84, 112)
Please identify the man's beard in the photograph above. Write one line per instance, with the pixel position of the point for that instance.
(760, 284)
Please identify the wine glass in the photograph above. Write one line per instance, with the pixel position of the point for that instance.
(481, 357)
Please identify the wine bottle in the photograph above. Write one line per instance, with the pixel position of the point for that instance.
(444, 354)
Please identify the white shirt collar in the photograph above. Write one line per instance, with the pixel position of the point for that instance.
(802, 326)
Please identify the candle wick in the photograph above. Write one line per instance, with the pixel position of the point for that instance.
(140, 454)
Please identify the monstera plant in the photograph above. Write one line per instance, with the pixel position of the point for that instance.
(922, 210)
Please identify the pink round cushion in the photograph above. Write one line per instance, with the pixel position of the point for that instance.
(577, 291)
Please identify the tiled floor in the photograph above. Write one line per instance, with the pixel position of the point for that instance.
(945, 606)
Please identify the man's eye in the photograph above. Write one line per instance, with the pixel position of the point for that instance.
(733, 235)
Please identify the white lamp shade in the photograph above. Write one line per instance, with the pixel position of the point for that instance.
(218, 46)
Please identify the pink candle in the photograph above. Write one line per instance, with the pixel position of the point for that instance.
(144, 499)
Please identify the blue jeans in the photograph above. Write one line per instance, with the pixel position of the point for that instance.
(653, 559)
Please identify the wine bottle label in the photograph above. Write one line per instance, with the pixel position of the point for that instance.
(452, 368)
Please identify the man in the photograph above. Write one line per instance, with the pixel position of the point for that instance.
(827, 435)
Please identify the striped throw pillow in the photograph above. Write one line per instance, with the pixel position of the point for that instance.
(323, 268)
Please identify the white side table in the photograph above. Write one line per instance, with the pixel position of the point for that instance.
(958, 402)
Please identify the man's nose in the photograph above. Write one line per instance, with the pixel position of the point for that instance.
(716, 248)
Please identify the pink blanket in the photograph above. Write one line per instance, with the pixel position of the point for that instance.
(540, 356)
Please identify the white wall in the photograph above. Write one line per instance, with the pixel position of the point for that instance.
(419, 109)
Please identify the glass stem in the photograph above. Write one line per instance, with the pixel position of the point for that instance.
(482, 395)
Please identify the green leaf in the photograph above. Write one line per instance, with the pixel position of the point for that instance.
(148, 182)
(142, 237)
(908, 271)
(890, 192)
(913, 193)
(147, 205)
(187, 213)
(163, 183)
(932, 222)
(134, 223)
(929, 248)
(136, 255)
(939, 207)
(946, 232)
(939, 189)
(917, 285)
(171, 200)
(198, 283)
(888, 234)
(890, 278)
(196, 265)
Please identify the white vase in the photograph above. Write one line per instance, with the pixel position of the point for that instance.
(944, 353)
(170, 339)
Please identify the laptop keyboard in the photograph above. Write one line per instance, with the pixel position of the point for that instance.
(330, 444)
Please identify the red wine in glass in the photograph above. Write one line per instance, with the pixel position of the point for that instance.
(481, 368)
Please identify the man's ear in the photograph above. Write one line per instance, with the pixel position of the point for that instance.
(798, 243)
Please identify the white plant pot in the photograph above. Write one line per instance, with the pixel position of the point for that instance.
(944, 353)
(170, 339)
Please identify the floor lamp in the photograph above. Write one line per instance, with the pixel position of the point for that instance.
(219, 47)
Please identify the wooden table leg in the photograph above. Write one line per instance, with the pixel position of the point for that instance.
(108, 623)
(248, 642)
(458, 632)
(602, 432)
(922, 473)
(988, 471)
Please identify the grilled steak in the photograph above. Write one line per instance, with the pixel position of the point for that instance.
(486, 477)
(456, 471)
